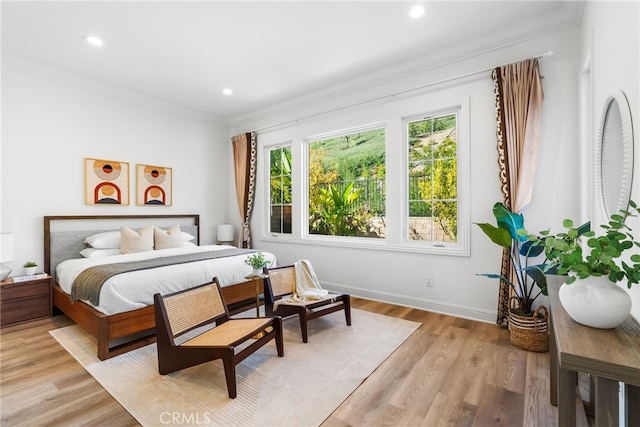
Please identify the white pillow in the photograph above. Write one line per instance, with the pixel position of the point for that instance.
(186, 236)
(106, 240)
(166, 239)
(133, 241)
(95, 253)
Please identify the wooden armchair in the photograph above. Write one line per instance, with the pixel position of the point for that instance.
(181, 312)
(281, 284)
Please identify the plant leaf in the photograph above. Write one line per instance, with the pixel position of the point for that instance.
(584, 228)
(499, 236)
(531, 248)
(536, 272)
(509, 221)
(498, 276)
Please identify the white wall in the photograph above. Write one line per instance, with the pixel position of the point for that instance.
(49, 126)
(399, 276)
(610, 39)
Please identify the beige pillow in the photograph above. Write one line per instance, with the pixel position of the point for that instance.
(132, 241)
(166, 239)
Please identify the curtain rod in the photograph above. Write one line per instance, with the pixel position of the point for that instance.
(378, 98)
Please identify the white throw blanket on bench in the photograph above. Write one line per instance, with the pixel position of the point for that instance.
(308, 286)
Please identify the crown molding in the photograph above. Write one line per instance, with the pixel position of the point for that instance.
(568, 17)
(39, 70)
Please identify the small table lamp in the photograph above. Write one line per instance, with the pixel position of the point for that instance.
(224, 233)
(7, 244)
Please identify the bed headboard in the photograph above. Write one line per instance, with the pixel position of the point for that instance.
(64, 235)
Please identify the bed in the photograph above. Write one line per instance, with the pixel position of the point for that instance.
(120, 322)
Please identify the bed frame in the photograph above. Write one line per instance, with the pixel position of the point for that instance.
(122, 332)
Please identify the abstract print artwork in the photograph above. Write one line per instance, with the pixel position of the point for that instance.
(154, 185)
(106, 182)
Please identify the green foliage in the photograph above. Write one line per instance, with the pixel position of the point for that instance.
(319, 178)
(510, 234)
(257, 260)
(335, 166)
(426, 127)
(603, 253)
(335, 216)
(351, 163)
(361, 157)
(433, 172)
(280, 172)
(29, 264)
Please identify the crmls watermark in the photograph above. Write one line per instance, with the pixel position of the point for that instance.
(181, 418)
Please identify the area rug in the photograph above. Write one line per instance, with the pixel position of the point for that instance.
(300, 389)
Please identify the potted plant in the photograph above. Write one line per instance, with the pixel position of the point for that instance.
(30, 268)
(257, 261)
(528, 326)
(595, 268)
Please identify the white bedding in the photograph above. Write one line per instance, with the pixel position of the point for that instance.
(135, 289)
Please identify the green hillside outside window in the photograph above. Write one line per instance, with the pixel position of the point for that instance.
(433, 179)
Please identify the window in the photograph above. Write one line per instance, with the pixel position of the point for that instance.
(433, 178)
(401, 184)
(347, 184)
(280, 190)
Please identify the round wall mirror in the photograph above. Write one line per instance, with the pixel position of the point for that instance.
(615, 154)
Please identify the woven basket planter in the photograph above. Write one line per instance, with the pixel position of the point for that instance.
(530, 333)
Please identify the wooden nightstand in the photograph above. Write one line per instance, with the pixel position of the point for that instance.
(25, 301)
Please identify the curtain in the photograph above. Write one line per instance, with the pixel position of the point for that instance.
(518, 97)
(244, 161)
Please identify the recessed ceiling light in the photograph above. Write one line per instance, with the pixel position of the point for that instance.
(93, 40)
(227, 91)
(416, 11)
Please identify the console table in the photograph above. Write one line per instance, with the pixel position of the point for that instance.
(608, 355)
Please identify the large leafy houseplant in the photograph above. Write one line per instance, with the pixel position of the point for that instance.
(530, 279)
(603, 254)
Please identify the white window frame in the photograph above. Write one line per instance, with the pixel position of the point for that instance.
(461, 246)
(267, 189)
(333, 240)
(396, 210)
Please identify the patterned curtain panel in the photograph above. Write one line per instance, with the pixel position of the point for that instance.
(519, 97)
(244, 160)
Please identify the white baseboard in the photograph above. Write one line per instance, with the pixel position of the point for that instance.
(457, 310)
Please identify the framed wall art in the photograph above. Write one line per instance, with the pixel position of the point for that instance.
(153, 185)
(106, 182)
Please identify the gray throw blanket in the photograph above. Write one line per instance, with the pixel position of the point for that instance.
(86, 286)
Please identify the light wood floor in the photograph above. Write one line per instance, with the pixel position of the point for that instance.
(451, 371)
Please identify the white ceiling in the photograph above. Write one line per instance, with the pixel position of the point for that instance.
(185, 53)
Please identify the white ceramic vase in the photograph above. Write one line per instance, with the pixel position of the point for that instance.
(595, 302)
(30, 271)
(257, 272)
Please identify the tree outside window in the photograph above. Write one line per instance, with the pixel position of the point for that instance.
(433, 179)
(347, 185)
(280, 190)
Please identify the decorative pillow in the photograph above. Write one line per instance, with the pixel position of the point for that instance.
(165, 239)
(106, 240)
(136, 241)
(95, 253)
(186, 236)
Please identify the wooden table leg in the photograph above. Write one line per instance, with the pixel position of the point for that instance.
(590, 405)
(258, 297)
(553, 368)
(606, 402)
(567, 397)
(631, 406)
